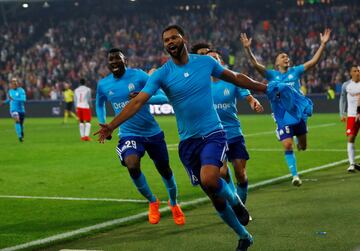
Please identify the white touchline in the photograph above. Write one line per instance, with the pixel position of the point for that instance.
(268, 132)
(119, 221)
(281, 150)
(72, 198)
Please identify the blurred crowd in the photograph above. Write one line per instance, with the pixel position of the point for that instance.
(46, 55)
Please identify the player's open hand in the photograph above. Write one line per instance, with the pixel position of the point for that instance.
(245, 40)
(343, 119)
(104, 133)
(256, 106)
(324, 37)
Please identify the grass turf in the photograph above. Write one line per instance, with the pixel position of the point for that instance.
(54, 162)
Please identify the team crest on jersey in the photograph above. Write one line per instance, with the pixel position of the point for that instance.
(186, 74)
(290, 76)
(131, 87)
(277, 78)
(226, 92)
(111, 93)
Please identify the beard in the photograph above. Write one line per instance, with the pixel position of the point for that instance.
(177, 53)
(120, 69)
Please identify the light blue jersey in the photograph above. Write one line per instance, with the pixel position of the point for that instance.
(17, 99)
(117, 91)
(292, 78)
(188, 88)
(225, 95)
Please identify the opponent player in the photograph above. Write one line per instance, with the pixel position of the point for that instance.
(186, 81)
(69, 103)
(17, 98)
(352, 88)
(291, 76)
(225, 96)
(139, 134)
(83, 103)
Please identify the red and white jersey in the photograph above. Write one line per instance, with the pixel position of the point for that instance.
(82, 97)
(353, 95)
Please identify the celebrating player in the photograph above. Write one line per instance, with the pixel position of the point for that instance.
(186, 81)
(83, 103)
(225, 96)
(17, 98)
(139, 134)
(291, 76)
(351, 89)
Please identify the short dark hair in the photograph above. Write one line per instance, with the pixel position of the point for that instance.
(198, 46)
(215, 51)
(354, 66)
(114, 50)
(82, 81)
(173, 26)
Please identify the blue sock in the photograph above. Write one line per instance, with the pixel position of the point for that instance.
(171, 189)
(242, 190)
(231, 182)
(18, 130)
(291, 162)
(144, 188)
(226, 193)
(230, 219)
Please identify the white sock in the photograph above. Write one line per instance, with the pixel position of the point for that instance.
(82, 129)
(351, 152)
(87, 129)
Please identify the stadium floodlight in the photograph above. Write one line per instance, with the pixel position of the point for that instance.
(46, 5)
(25, 5)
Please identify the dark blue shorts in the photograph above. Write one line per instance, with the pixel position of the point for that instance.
(20, 115)
(291, 130)
(155, 146)
(197, 152)
(237, 149)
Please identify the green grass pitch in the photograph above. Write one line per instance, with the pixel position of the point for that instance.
(53, 162)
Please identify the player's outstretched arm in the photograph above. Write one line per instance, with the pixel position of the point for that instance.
(324, 38)
(247, 43)
(254, 103)
(129, 110)
(242, 80)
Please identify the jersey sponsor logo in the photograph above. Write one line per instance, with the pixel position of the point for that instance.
(164, 109)
(120, 105)
(186, 74)
(226, 92)
(131, 87)
(222, 106)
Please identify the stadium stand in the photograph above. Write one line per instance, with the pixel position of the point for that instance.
(64, 45)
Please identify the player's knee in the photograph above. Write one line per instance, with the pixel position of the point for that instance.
(164, 170)
(209, 184)
(288, 146)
